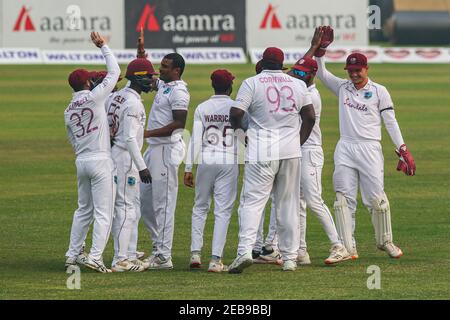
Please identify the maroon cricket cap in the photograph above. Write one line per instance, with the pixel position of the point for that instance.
(140, 66)
(258, 67)
(222, 79)
(356, 61)
(78, 78)
(274, 55)
(306, 64)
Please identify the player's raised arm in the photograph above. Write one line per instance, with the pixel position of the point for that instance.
(323, 37)
(101, 91)
(140, 46)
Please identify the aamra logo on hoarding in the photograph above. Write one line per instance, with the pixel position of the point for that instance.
(148, 20)
(24, 21)
(270, 14)
(184, 23)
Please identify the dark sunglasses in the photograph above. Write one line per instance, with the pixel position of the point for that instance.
(299, 72)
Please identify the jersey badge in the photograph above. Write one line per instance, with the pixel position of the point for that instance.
(131, 181)
(167, 90)
(368, 94)
(115, 179)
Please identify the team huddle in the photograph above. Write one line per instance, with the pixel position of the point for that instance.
(275, 119)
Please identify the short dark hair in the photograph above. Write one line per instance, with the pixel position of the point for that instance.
(177, 61)
(269, 65)
(221, 88)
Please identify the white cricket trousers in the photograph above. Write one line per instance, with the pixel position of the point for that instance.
(358, 163)
(126, 203)
(159, 198)
(220, 181)
(311, 196)
(283, 176)
(271, 238)
(96, 193)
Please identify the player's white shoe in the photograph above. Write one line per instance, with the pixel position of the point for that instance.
(353, 254)
(159, 262)
(126, 266)
(392, 250)
(303, 259)
(141, 263)
(81, 258)
(96, 265)
(217, 266)
(140, 254)
(240, 263)
(149, 259)
(271, 256)
(195, 262)
(70, 261)
(289, 265)
(338, 253)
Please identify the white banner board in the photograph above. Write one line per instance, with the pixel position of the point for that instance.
(213, 55)
(291, 23)
(62, 24)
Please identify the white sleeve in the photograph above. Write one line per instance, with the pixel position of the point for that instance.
(71, 136)
(101, 91)
(305, 96)
(328, 79)
(179, 99)
(386, 107)
(244, 96)
(131, 126)
(195, 144)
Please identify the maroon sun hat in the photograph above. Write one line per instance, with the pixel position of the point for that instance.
(222, 79)
(78, 78)
(274, 55)
(140, 66)
(306, 64)
(356, 61)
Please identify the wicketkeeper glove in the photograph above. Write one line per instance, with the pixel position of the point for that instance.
(327, 39)
(406, 162)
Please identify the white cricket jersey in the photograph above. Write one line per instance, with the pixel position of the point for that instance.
(85, 117)
(170, 96)
(213, 140)
(126, 117)
(315, 138)
(273, 101)
(361, 111)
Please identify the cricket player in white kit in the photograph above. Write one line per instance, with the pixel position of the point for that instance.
(312, 164)
(213, 146)
(163, 156)
(88, 131)
(126, 117)
(275, 103)
(358, 158)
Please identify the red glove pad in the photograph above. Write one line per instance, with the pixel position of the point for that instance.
(327, 39)
(406, 163)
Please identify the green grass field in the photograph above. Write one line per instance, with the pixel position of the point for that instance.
(38, 196)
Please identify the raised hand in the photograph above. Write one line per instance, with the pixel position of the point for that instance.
(140, 45)
(97, 39)
(325, 40)
(317, 37)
